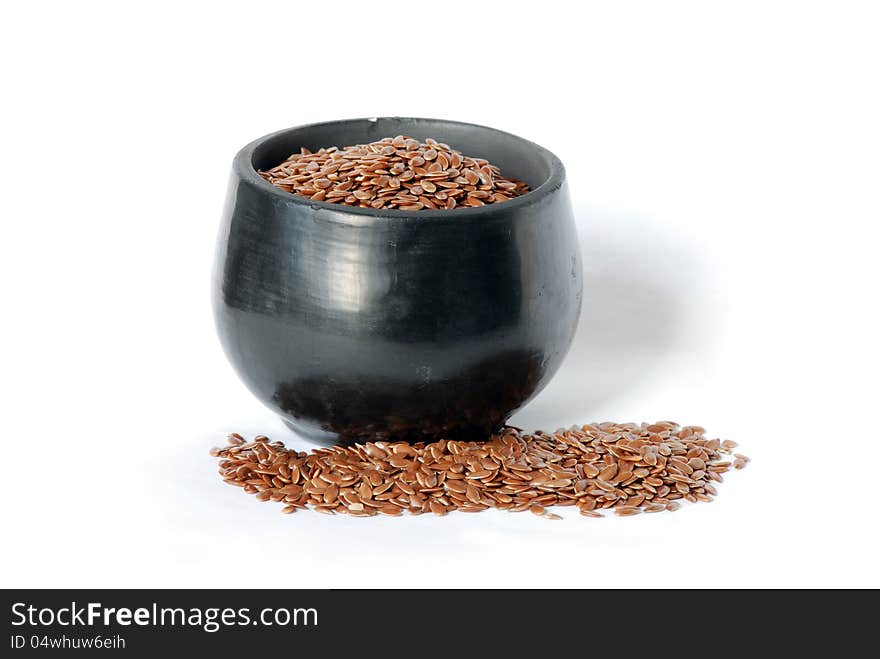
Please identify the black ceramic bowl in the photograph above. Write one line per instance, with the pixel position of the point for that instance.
(356, 323)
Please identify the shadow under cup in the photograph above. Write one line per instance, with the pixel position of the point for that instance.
(357, 324)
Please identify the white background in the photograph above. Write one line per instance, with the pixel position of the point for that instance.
(723, 161)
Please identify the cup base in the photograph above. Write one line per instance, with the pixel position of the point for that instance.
(314, 435)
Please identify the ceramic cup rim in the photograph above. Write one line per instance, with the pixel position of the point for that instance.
(245, 170)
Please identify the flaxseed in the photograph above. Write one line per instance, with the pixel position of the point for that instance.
(394, 173)
(627, 468)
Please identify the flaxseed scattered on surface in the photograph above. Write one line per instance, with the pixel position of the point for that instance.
(624, 468)
(394, 173)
